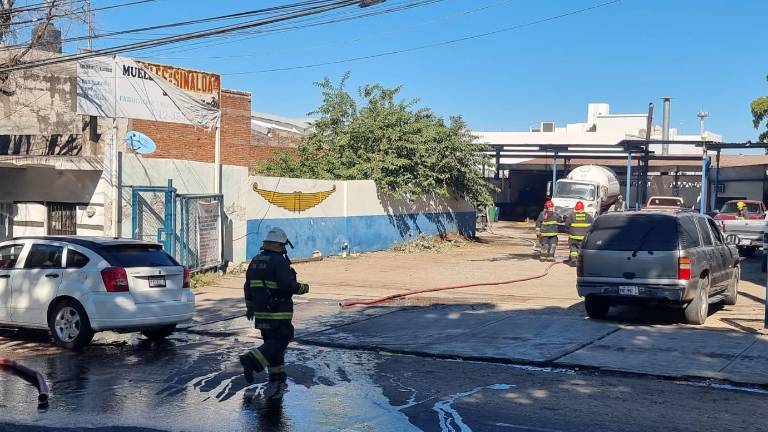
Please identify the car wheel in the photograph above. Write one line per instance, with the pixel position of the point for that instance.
(697, 310)
(69, 325)
(747, 252)
(596, 308)
(732, 294)
(159, 333)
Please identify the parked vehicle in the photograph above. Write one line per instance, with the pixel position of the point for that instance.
(748, 234)
(75, 286)
(665, 203)
(596, 186)
(657, 258)
(730, 211)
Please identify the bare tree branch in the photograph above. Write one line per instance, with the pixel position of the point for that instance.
(38, 33)
(6, 16)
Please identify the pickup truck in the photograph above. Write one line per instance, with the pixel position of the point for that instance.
(730, 210)
(664, 203)
(749, 232)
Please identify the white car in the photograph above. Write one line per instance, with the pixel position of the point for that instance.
(75, 286)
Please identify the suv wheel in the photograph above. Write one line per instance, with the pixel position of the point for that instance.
(732, 294)
(596, 308)
(159, 333)
(69, 325)
(697, 310)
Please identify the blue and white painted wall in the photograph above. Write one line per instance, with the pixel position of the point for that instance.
(320, 215)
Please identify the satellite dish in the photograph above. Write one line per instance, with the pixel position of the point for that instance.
(140, 143)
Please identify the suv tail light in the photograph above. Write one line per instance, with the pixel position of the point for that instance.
(187, 278)
(684, 268)
(115, 279)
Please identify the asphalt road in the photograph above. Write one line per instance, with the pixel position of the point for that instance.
(193, 383)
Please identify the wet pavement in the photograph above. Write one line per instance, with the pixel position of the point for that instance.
(192, 382)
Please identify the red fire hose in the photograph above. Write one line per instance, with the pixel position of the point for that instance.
(351, 302)
(31, 376)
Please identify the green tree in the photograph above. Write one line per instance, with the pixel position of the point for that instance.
(759, 114)
(406, 149)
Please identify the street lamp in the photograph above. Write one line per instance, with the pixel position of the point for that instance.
(366, 3)
(702, 115)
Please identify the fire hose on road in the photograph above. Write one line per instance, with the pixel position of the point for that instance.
(367, 302)
(29, 375)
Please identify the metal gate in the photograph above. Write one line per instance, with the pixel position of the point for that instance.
(199, 243)
(152, 214)
(189, 226)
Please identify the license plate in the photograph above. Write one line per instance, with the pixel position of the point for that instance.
(157, 281)
(628, 290)
(745, 242)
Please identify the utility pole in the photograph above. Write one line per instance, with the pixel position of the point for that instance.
(665, 127)
(89, 19)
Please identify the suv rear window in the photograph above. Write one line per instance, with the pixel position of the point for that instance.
(137, 255)
(689, 235)
(630, 232)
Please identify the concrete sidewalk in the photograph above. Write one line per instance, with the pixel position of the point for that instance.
(535, 322)
(557, 337)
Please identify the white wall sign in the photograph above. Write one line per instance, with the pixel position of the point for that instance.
(147, 91)
(208, 245)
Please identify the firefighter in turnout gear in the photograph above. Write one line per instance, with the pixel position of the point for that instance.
(546, 231)
(577, 223)
(270, 284)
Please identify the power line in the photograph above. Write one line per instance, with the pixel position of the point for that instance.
(338, 42)
(263, 11)
(433, 45)
(307, 24)
(184, 37)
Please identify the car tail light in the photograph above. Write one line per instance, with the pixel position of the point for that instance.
(115, 279)
(684, 268)
(187, 278)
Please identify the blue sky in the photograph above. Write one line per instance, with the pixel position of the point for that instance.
(703, 53)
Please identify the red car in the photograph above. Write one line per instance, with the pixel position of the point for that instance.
(755, 209)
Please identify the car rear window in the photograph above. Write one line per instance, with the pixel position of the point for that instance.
(666, 202)
(631, 232)
(731, 207)
(133, 255)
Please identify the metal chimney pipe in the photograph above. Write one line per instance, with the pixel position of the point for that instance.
(665, 127)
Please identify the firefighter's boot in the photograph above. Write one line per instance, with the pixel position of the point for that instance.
(249, 367)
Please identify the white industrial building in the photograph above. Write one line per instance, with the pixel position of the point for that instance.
(600, 128)
(523, 181)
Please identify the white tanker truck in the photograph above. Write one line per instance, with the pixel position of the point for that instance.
(596, 186)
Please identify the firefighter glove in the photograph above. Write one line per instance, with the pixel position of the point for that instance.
(303, 288)
(249, 314)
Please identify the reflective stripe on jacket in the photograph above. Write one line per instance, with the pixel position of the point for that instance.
(547, 223)
(578, 224)
(270, 284)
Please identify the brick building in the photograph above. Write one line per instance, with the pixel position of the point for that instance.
(187, 142)
(246, 137)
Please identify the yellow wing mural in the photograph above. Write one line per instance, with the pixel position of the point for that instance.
(294, 201)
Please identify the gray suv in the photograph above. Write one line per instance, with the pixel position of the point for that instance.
(657, 258)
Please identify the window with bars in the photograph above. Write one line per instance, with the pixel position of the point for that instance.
(62, 219)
